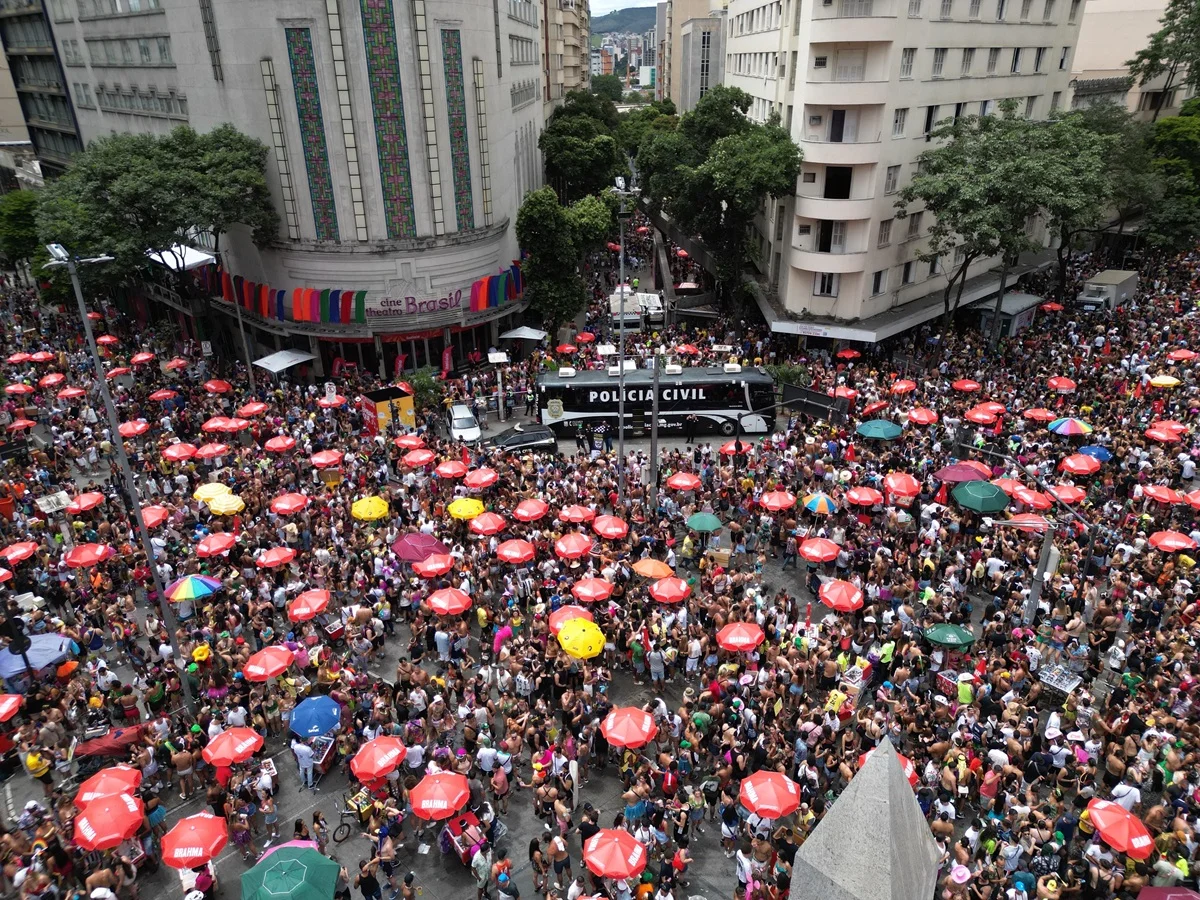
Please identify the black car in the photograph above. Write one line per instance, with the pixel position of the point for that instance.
(520, 438)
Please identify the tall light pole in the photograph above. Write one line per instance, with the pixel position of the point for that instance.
(60, 257)
(622, 217)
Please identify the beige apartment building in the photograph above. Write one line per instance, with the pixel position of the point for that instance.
(859, 84)
(673, 15)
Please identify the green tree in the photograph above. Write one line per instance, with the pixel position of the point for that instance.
(609, 87)
(1135, 183)
(1178, 138)
(428, 390)
(581, 154)
(1173, 50)
(584, 103)
(18, 227)
(1174, 221)
(637, 123)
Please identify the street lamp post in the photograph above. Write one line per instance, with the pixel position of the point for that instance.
(60, 257)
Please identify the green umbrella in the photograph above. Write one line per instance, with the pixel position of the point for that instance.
(981, 496)
(704, 522)
(291, 873)
(880, 430)
(949, 635)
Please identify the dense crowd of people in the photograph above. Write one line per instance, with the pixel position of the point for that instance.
(1052, 693)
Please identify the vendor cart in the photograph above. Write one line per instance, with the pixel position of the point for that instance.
(324, 755)
(461, 836)
(1057, 682)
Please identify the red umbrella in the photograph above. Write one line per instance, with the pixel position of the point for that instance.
(1032, 499)
(966, 386)
(217, 386)
(449, 602)
(874, 407)
(681, 253)
(902, 484)
(848, 353)
(1163, 435)
(154, 516)
(740, 636)
(684, 481)
(1080, 464)
(819, 550)
(688, 350)
(573, 545)
(179, 452)
(434, 566)
(610, 527)
(487, 523)
(18, 389)
(439, 796)
(904, 386)
(1008, 485)
(289, 504)
(1120, 829)
(308, 605)
(18, 552)
(846, 392)
(108, 821)
(910, 771)
(1171, 541)
(409, 442)
(566, 348)
(516, 551)
(108, 782)
(215, 544)
(478, 479)
(1163, 494)
(280, 444)
(670, 590)
(628, 726)
(777, 501)
(576, 514)
(212, 451)
(1068, 493)
(530, 510)
(592, 590)
(414, 459)
(1061, 384)
(406, 387)
(332, 402)
(979, 416)
(584, 337)
(1170, 425)
(194, 841)
(1038, 414)
(1181, 355)
(177, 363)
(9, 703)
(84, 556)
(864, 496)
(919, 415)
(842, 596)
(771, 795)
(1050, 306)
(253, 408)
(108, 340)
(85, 502)
(614, 852)
(1028, 522)
(18, 358)
(73, 393)
(565, 614)
(451, 468)
(736, 446)
(42, 356)
(54, 378)
(118, 372)
(275, 557)
(233, 745)
(140, 359)
(377, 758)
(268, 663)
(216, 423)
(327, 459)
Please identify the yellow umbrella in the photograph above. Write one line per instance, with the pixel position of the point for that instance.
(226, 505)
(368, 509)
(652, 568)
(581, 638)
(1163, 381)
(466, 508)
(210, 490)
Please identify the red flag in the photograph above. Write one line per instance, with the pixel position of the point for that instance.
(941, 496)
(466, 457)
(999, 429)
(1060, 402)
(808, 616)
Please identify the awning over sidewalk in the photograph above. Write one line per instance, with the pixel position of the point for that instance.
(284, 359)
(180, 258)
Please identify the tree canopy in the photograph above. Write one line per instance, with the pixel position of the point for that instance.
(1173, 50)
(610, 87)
(578, 144)
(18, 226)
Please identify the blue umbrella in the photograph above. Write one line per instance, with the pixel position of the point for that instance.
(316, 716)
(1095, 451)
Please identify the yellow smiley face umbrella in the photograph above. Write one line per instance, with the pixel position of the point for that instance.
(466, 508)
(1164, 381)
(581, 638)
(370, 509)
(212, 489)
(226, 505)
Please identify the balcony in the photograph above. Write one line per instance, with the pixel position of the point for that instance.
(10, 8)
(854, 9)
(826, 92)
(834, 210)
(836, 30)
(812, 261)
(840, 153)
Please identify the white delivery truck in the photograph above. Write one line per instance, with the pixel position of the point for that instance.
(651, 306)
(1107, 290)
(631, 319)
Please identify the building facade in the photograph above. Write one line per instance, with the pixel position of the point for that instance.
(859, 84)
(577, 45)
(403, 136)
(701, 59)
(675, 16)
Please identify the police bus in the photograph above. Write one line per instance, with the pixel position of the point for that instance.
(719, 396)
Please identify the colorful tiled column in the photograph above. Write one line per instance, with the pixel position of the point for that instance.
(312, 132)
(456, 119)
(481, 134)
(387, 104)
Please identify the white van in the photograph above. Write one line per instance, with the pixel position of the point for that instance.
(652, 309)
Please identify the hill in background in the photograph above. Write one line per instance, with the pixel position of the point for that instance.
(633, 20)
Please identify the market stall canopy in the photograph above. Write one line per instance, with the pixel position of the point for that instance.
(181, 259)
(44, 650)
(284, 359)
(524, 333)
(873, 844)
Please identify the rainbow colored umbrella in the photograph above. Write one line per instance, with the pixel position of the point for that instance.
(192, 587)
(1070, 427)
(821, 504)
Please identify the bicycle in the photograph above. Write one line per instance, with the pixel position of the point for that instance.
(347, 811)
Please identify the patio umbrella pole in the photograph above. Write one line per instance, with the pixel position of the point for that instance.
(1039, 576)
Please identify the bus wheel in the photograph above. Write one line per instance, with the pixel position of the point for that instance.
(727, 429)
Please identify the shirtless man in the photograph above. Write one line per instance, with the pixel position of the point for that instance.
(184, 764)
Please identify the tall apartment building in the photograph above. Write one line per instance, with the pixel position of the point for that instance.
(577, 45)
(859, 84)
(701, 59)
(403, 135)
(662, 33)
(676, 14)
(650, 47)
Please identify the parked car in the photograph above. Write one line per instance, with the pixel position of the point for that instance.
(461, 424)
(520, 438)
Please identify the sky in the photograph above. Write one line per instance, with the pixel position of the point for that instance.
(601, 7)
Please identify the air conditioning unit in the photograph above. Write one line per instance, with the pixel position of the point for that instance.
(731, 368)
(614, 371)
(672, 369)
(566, 372)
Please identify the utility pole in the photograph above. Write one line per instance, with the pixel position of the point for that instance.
(658, 363)
(1039, 576)
(622, 216)
(60, 257)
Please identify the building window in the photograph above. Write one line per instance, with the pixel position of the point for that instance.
(914, 9)
(809, 177)
(705, 51)
(820, 62)
(930, 118)
(973, 12)
(933, 267)
(899, 120)
(907, 56)
(993, 59)
(879, 282)
(1054, 98)
(1062, 60)
(1039, 56)
(960, 254)
(825, 284)
(947, 8)
(1001, 8)
(907, 278)
(885, 231)
(939, 61)
(891, 181)
(83, 95)
(985, 107)
(968, 58)
(1048, 12)
(522, 51)
(1074, 13)
(959, 109)
(1026, 6)
(1015, 66)
(914, 225)
(1029, 104)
